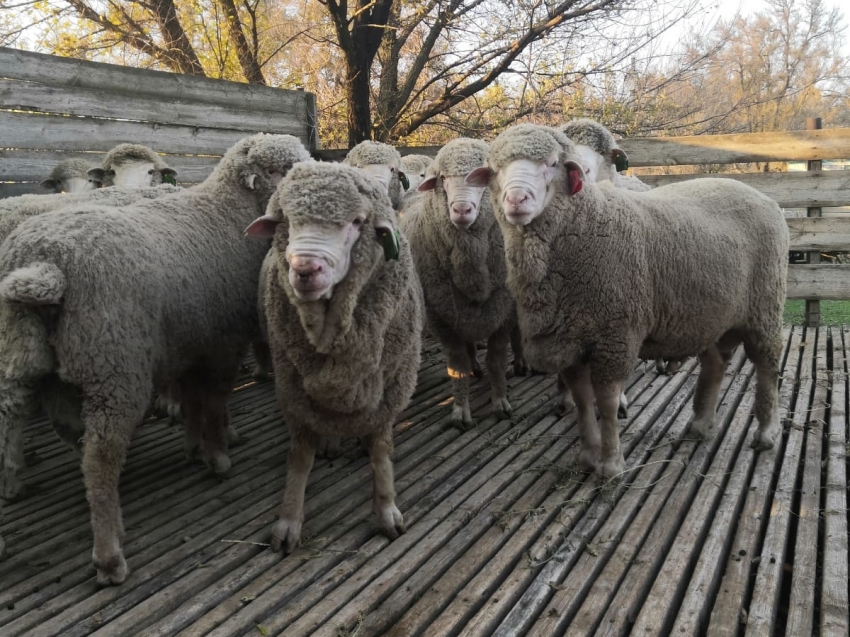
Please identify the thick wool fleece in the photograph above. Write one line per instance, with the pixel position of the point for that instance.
(66, 169)
(590, 133)
(153, 292)
(124, 153)
(607, 275)
(462, 271)
(416, 163)
(345, 366)
(369, 152)
(15, 210)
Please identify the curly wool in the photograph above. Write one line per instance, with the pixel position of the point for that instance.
(347, 366)
(415, 164)
(590, 133)
(369, 152)
(14, 210)
(726, 243)
(462, 272)
(528, 141)
(125, 153)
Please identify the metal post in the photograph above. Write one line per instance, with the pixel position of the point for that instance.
(813, 307)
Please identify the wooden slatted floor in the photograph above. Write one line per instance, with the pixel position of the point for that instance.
(504, 536)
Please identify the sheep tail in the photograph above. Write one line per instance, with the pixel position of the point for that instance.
(37, 284)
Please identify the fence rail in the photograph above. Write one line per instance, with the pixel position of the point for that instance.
(54, 108)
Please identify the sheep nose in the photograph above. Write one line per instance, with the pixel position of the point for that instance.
(305, 267)
(516, 196)
(462, 209)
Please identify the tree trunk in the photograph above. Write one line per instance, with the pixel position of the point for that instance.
(179, 47)
(247, 60)
(357, 96)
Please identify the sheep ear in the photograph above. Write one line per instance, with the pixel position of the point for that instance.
(480, 177)
(620, 159)
(574, 177)
(388, 237)
(49, 184)
(405, 182)
(96, 174)
(263, 227)
(169, 176)
(428, 184)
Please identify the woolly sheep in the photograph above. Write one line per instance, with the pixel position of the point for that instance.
(160, 292)
(70, 176)
(415, 167)
(344, 311)
(133, 166)
(460, 259)
(693, 269)
(382, 162)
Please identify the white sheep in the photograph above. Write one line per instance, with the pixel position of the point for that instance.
(381, 162)
(70, 176)
(103, 304)
(344, 311)
(691, 269)
(460, 259)
(133, 166)
(415, 167)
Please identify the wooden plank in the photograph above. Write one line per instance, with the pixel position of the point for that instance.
(78, 101)
(77, 133)
(820, 233)
(772, 556)
(834, 598)
(829, 188)
(33, 165)
(728, 606)
(17, 188)
(833, 143)
(58, 71)
(801, 606)
(825, 282)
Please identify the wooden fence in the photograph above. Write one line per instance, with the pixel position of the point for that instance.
(54, 108)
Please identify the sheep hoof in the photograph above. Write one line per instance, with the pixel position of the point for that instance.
(219, 462)
(112, 571)
(763, 440)
(588, 459)
(521, 368)
(285, 535)
(564, 408)
(701, 427)
(612, 468)
(622, 412)
(502, 408)
(390, 521)
(232, 436)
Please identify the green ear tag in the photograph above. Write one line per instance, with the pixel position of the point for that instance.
(169, 179)
(404, 180)
(621, 160)
(389, 240)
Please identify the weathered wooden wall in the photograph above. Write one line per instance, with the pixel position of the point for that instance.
(53, 108)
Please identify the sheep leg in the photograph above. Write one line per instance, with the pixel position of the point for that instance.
(712, 368)
(263, 358)
(389, 518)
(578, 382)
(216, 422)
(193, 415)
(16, 406)
(521, 367)
(104, 451)
(567, 402)
(608, 397)
(497, 366)
(302, 450)
(673, 366)
(766, 405)
(460, 369)
(472, 352)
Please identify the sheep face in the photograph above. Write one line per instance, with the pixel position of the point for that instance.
(133, 174)
(463, 200)
(319, 256)
(76, 184)
(593, 165)
(523, 187)
(384, 174)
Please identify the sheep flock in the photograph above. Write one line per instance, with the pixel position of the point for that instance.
(121, 287)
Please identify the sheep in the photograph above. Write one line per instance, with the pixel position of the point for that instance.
(70, 176)
(693, 269)
(15, 210)
(415, 167)
(459, 256)
(590, 135)
(344, 311)
(133, 166)
(383, 163)
(103, 304)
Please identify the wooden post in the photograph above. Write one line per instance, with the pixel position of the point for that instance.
(312, 123)
(813, 307)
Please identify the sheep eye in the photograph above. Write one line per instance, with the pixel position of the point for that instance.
(150, 172)
(358, 221)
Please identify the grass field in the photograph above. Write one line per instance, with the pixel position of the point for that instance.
(831, 312)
